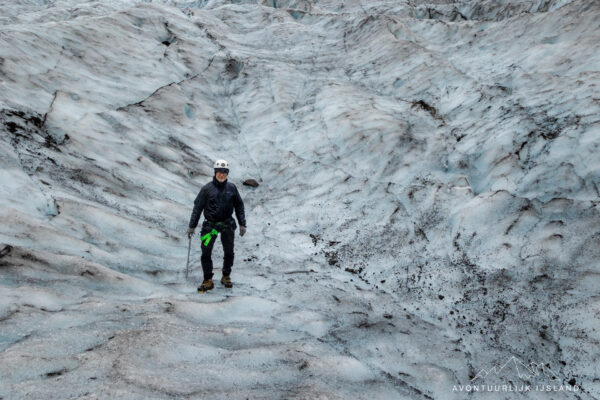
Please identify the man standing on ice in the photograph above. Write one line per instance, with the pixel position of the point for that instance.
(218, 199)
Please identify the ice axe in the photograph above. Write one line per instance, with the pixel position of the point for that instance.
(187, 265)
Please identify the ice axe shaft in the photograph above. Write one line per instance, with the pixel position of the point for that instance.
(187, 265)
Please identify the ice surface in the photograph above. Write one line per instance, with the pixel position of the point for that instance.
(427, 208)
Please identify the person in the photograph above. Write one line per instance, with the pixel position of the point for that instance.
(217, 199)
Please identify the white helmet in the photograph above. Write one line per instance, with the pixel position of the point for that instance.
(221, 166)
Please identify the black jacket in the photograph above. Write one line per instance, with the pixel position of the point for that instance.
(218, 201)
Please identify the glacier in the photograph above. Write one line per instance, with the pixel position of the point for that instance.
(427, 208)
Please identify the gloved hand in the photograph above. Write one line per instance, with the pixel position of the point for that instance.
(242, 230)
(190, 232)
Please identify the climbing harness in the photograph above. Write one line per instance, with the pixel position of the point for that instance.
(208, 237)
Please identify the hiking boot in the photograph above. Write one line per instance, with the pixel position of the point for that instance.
(207, 284)
(226, 281)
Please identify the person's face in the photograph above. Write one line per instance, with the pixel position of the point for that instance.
(221, 176)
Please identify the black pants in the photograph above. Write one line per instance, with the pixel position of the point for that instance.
(227, 235)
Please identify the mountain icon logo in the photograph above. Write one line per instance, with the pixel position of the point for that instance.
(523, 371)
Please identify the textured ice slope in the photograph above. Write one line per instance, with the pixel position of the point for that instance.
(428, 202)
